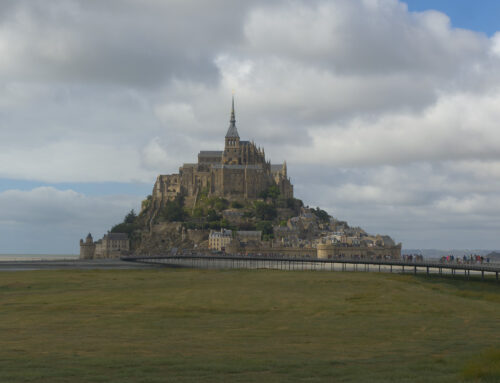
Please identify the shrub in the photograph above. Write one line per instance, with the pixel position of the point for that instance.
(236, 205)
(173, 210)
(212, 215)
(266, 227)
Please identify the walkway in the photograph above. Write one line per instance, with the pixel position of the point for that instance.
(485, 270)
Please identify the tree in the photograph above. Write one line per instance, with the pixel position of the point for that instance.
(273, 192)
(130, 217)
(265, 226)
(321, 214)
(212, 215)
(198, 212)
(173, 211)
(264, 211)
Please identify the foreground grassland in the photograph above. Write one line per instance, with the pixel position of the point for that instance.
(237, 326)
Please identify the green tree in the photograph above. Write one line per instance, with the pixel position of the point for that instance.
(273, 192)
(212, 215)
(265, 226)
(198, 212)
(264, 211)
(321, 214)
(173, 210)
(130, 217)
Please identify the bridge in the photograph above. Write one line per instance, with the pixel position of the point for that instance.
(210, 261)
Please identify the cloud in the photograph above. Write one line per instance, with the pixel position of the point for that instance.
(457, 127)
(48, 219)
(385, 116)
(51, 206)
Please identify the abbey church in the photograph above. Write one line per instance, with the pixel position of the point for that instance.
(240, 171)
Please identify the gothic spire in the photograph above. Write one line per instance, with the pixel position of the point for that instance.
(232, 132)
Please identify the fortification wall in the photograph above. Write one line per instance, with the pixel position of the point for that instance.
(331, 251)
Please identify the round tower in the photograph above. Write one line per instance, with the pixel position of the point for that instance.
(87, 248)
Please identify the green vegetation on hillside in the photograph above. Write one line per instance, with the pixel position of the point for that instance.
(208, 213)
(322, 215)
(128, 225)
(177, 325)
(211, 213)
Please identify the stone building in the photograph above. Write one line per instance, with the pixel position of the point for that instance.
(220, 240)
(249, 236)
(87, 248)
(240, 171)
(112, 245)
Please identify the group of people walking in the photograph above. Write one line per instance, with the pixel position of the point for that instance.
(466, 259)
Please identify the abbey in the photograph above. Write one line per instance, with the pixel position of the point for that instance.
(240, 171)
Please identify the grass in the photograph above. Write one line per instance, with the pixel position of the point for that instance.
(176, 325)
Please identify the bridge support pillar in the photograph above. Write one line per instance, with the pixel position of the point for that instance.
(415, 270)
(427, 270)
(482, 275)
(497, 275)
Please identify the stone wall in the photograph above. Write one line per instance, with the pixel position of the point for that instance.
(327, 251)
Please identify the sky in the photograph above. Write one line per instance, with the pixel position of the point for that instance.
(386, 111)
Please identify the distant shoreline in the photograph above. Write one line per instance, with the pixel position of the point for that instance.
(37, 257)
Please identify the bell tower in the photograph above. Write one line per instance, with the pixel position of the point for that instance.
(232, 142)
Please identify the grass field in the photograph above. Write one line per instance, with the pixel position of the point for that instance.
(175, 325)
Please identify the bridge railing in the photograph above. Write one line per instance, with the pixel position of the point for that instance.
(489, 267)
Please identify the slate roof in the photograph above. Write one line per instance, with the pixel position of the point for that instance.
(276, 168)
(210, 153)
(232, 132)
(117, 236)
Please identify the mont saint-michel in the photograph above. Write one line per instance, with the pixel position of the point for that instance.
(234, 201)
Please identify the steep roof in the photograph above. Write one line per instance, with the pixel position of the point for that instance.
(232, 132)
(210, 153)
(117, 236)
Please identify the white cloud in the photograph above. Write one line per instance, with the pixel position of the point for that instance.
(385, 116)
(154, 156)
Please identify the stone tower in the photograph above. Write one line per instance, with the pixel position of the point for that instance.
(87, 248)
(232, 143)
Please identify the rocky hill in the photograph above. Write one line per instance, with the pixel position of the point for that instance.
(156, 230)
